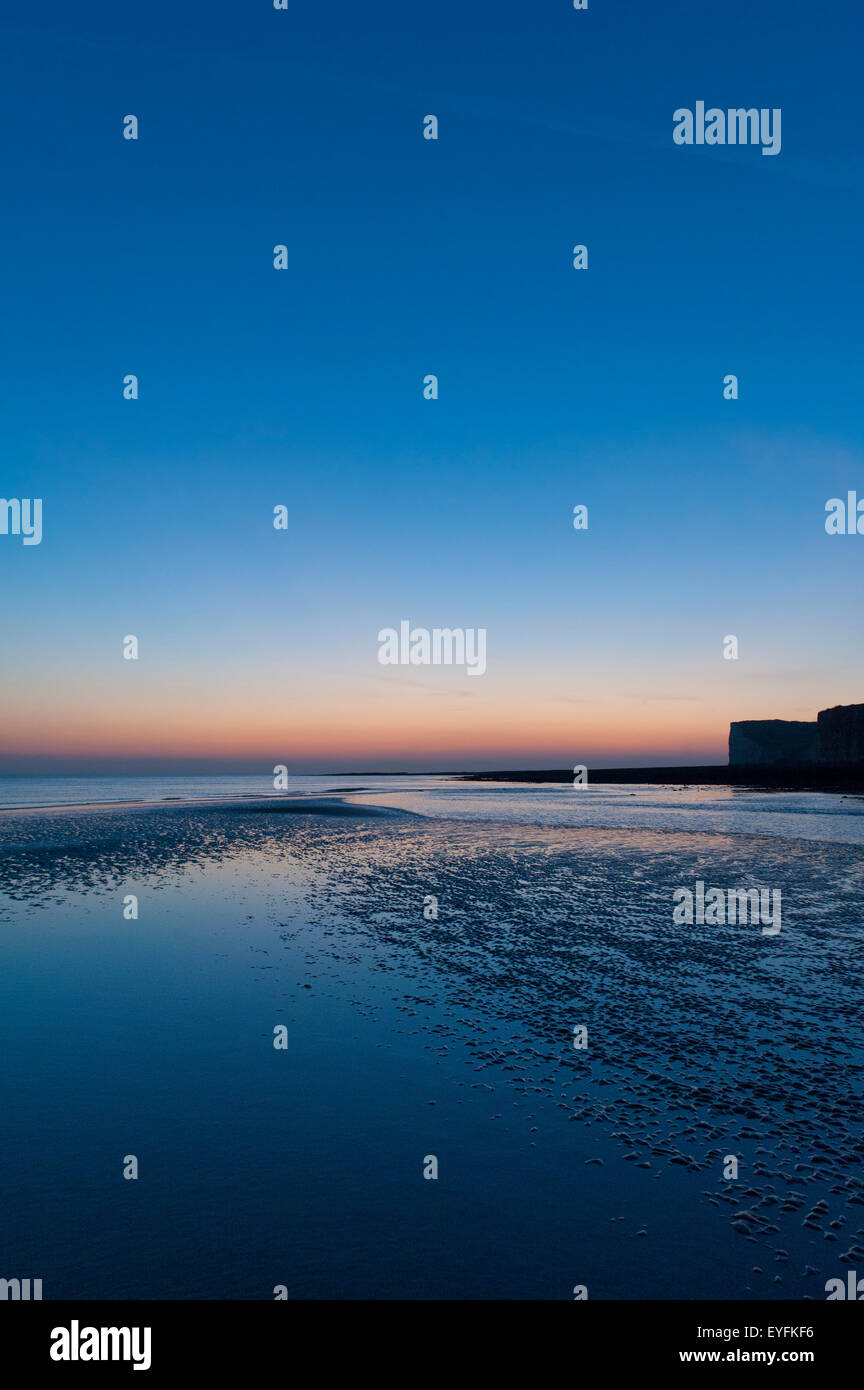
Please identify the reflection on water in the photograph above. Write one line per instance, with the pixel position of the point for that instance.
(450, 1036)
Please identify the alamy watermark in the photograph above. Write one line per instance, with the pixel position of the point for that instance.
(443, 646)
(852, 1289)
(21, 1290)
(733, 127)
(719, 906)
(22, 516)
(77, 1343)
(845, 518)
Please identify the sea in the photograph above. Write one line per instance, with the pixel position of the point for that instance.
(424, 1038)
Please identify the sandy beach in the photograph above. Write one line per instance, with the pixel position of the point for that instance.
(450, 1036)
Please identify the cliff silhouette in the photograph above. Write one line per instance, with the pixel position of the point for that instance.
(834, 739)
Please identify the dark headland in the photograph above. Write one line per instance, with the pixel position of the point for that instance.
(826, 754)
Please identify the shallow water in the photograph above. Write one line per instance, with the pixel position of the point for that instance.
(452, 1037)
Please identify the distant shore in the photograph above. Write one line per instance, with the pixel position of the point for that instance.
(720, 775)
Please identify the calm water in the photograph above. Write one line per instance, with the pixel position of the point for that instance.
(410, 1037)
(88, 791)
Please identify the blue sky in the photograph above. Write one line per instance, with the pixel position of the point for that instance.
(409, 257)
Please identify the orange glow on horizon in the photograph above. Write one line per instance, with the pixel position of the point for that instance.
(408, 727)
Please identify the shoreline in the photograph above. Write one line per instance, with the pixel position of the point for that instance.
(298, 802)
(718, 775)
(837, 781)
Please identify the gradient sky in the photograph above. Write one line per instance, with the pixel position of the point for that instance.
(304, 387)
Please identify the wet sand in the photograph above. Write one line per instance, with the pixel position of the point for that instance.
(606, 1165)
